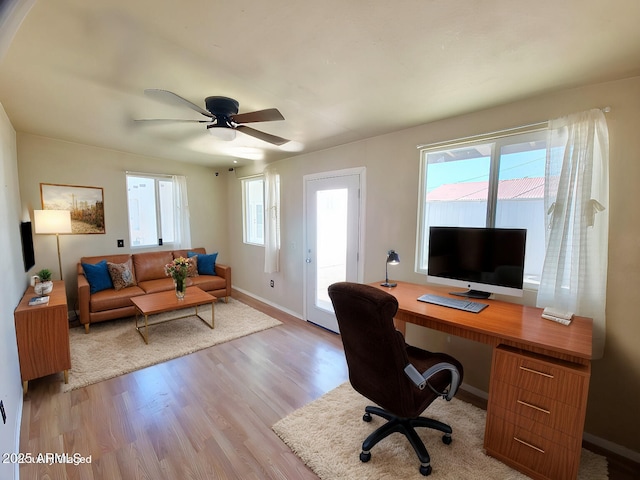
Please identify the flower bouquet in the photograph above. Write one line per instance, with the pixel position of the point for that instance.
(178, 271)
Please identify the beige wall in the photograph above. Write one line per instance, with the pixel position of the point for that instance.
(43, 160)
(392, 163)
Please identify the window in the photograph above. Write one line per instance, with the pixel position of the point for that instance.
(494, 183)
(153, 203)
(253, 208)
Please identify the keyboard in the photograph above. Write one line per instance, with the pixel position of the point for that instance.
(466, 305)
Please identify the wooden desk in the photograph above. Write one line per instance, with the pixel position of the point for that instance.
(42, 334)
(539, 377)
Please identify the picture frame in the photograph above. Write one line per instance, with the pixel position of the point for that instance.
(86, 205)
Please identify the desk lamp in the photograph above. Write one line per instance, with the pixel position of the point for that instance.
(53, 222)
(392, 259)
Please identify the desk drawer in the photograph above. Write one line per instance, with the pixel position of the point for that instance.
(543, 410)
(547, 377)
(558, 437)
(529, 452)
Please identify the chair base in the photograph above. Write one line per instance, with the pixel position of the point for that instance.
(405, 426)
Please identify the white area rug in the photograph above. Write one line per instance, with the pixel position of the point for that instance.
(114, 347)
(327, 435)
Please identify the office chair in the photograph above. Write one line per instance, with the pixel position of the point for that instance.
(383, 368)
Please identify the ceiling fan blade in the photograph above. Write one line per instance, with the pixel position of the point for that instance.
(169, 120)
(175, 99)
(267, 137)
(268, 115)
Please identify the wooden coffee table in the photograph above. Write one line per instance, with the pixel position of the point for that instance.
(161, 302)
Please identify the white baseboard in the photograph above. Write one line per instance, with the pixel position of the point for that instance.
(475, 391)
(268, 302)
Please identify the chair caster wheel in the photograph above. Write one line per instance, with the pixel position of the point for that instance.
(425, 471)
(366, 417)
(446, 439)
(365, 457)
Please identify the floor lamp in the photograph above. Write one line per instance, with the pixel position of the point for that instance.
(49, 222)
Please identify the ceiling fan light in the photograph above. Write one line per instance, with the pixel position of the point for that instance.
(223, 133)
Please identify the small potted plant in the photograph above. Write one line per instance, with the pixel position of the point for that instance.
(44, 284)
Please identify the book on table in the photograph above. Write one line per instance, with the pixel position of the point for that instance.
(39, 301)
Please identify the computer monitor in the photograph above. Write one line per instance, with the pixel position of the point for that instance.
(484, 260)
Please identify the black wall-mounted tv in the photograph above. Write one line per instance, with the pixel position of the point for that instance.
(28, 255)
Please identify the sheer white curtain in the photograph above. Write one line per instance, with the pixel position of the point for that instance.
(181, 223)
(272, 221)
(574, 275)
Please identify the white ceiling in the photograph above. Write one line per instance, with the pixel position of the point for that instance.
(338, 70)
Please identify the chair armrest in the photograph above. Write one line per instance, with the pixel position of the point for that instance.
(422, 379)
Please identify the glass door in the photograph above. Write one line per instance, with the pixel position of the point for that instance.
(332, 241)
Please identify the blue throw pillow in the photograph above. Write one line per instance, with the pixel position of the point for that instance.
(98, 276)
(206, 263)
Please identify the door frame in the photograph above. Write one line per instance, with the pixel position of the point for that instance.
(361, 172)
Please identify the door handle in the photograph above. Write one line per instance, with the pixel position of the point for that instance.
(308, 260)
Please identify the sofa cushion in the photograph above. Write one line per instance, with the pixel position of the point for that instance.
(121, 275)
(158, 285)
(98, 276)
(185, 253)
(117, 258)
(150, 265)
(208, 283)
(206, 263)
(111, 299)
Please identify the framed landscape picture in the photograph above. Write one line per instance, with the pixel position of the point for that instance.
(86, 205)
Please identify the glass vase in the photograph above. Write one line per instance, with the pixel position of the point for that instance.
(180, 285)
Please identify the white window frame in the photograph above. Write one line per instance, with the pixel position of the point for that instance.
(252, 213)
(157, 214)
(497, 141)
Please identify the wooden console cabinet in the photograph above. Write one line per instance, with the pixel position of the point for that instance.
(42, 333)
(536, 411)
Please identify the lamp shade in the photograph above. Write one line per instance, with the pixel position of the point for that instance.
(393, 258)
(52, 221)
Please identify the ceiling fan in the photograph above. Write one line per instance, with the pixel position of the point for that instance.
(223, 116)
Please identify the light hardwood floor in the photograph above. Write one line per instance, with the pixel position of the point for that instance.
(207, 415)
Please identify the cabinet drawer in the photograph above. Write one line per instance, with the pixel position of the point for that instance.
(546, 411)
(554, 435)
(551, 378)
(528, 451)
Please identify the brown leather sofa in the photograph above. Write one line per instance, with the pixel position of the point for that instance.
(148, 271)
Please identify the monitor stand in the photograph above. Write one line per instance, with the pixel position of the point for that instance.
(472, 294)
